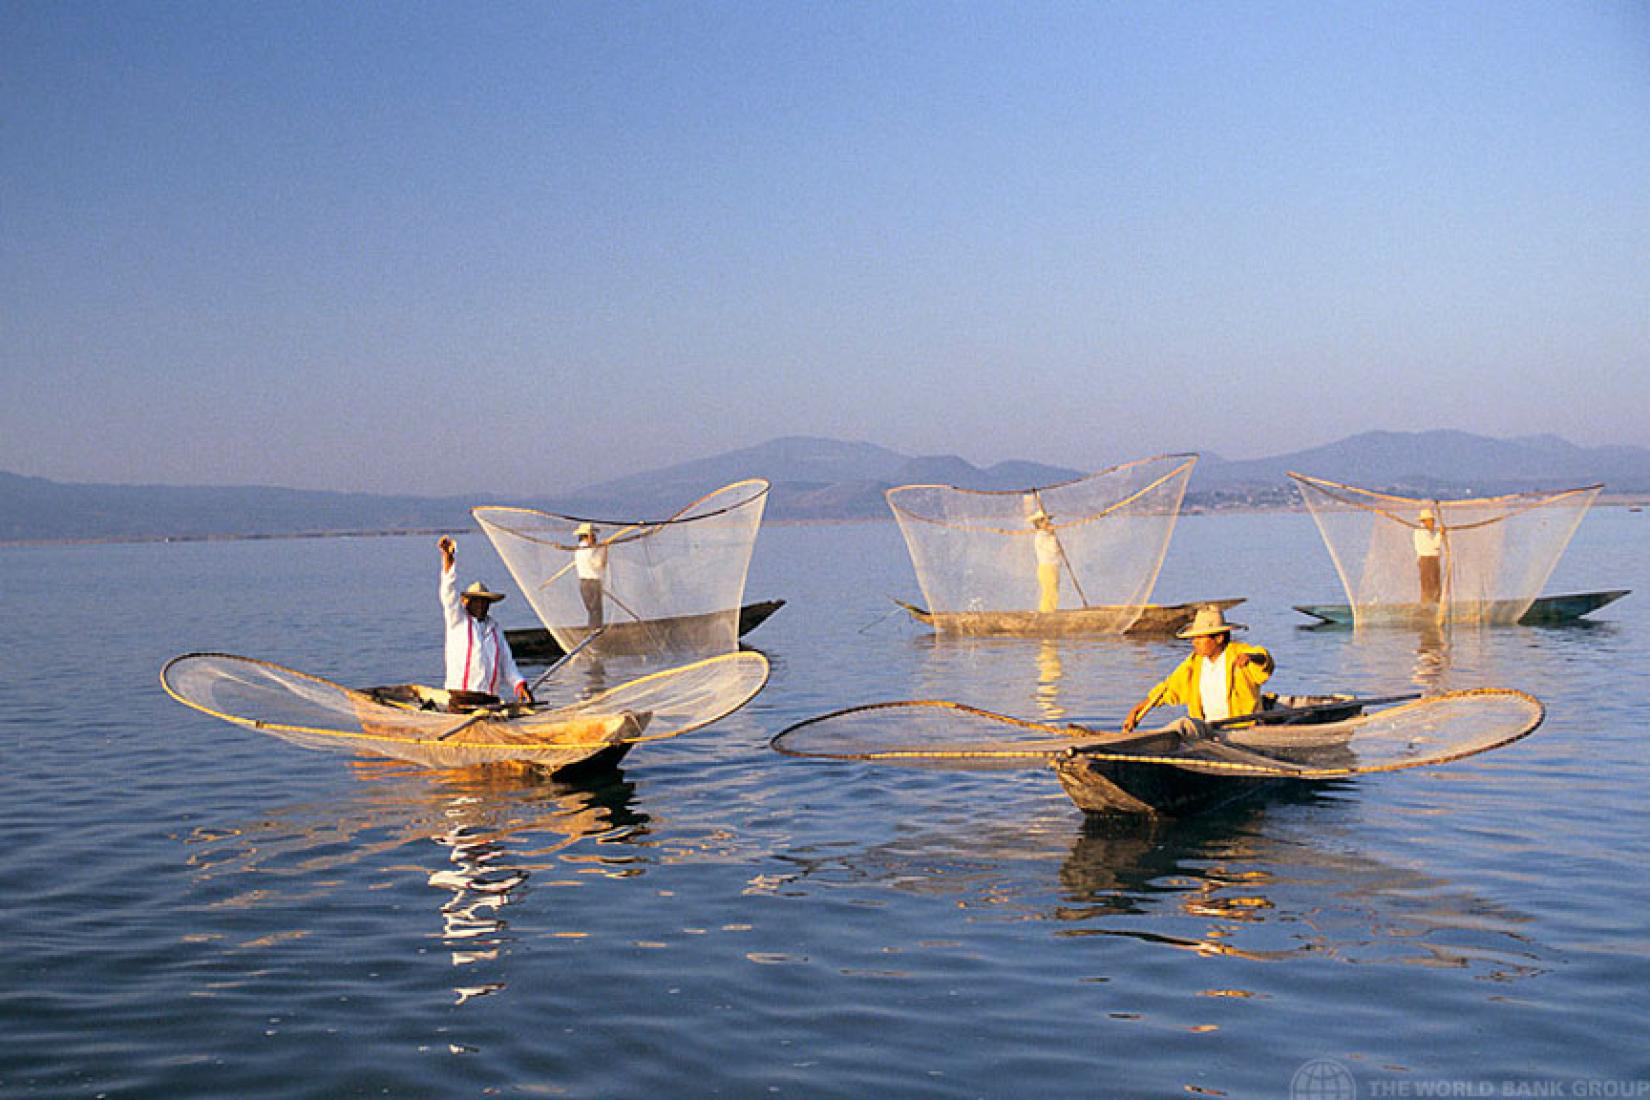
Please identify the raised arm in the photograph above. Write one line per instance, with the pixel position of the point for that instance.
(451, 607)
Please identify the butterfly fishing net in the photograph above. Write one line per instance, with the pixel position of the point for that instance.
(664, 588)
(936, 733)
(1430, 731)
(1085, 551)
(1406, 560)
(318, 714)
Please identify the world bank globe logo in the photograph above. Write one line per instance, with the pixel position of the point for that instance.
(1323, 1079)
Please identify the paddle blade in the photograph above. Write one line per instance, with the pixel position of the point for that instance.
(930, 732)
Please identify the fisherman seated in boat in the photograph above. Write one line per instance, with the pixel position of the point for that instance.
(1221, 679)
(477, 654)
(590, 563)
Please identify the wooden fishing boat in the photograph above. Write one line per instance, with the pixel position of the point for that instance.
(1189, 766)
(593, 740)
(1154, 620)
(417, 724)
(1108, 786)
(634, 636)
(1545, 610)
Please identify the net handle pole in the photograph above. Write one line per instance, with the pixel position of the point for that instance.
(651, 630)
(604, 544)
(565, 657)
(1060, 546)
(485, 712)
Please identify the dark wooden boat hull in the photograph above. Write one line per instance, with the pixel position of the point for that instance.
(1111, 789)
(538, 645)
(1155, 620)
(1120, 788)
(1544, 611)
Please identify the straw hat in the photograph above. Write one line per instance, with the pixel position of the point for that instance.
(479, 591)
(1210, 620)
(1426, 514)
(1039, 516)
(584, 529)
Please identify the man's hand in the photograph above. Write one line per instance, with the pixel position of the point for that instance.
(449, 551)
(523, 692)
(1240, 660)
(1135, 715)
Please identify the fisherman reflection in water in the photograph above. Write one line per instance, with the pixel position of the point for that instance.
(590, 563)
(478, 655)
(1221, 679)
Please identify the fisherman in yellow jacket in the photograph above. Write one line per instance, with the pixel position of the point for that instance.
(1221, 679)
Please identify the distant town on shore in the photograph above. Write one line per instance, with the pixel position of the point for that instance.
(815, 479)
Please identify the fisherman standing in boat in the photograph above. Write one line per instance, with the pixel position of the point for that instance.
(478, 656)
(1429, 556)
(1221, 679)
(1046, 544)
(590, 563)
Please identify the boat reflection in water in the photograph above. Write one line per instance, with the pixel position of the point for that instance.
(497, 829)
(1279, 878)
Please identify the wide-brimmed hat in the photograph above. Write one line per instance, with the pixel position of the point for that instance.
(584, 529)
(479, 591)
(1209, 620)
(1039, 516)
(1426, 513)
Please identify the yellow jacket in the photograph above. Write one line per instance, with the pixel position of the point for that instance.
(1242, 684)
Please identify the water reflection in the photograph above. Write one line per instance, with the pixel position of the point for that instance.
(1275, 880)
(495, 828)
(1049, 671)
(1431, 658)
(1082, 679)
(1228, 885)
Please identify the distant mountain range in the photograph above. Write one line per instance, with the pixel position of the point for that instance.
(813, 479)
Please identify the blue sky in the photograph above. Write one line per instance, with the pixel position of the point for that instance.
(523, 248)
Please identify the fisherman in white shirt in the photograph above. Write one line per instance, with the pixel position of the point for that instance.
(1429, 556)
(478, 656)
(590, 563)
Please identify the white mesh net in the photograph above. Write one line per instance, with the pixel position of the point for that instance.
(667, 588)
(319, 714)
(936, 733)
(1083, 555)
(1405, 560)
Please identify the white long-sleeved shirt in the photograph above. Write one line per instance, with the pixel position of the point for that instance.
(478, 657)
(590, 562)
(1428, 544)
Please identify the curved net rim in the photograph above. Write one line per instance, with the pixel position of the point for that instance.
(1186, 461)
(1068, 740)
(1529, 500)
(628, 529)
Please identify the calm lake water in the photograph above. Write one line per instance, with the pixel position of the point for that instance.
(193, 909)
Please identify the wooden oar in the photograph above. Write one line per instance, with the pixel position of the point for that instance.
(484, 712)
(565, 657)
(1080, 727)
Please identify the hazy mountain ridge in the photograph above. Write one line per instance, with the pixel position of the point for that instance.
(812, 479)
